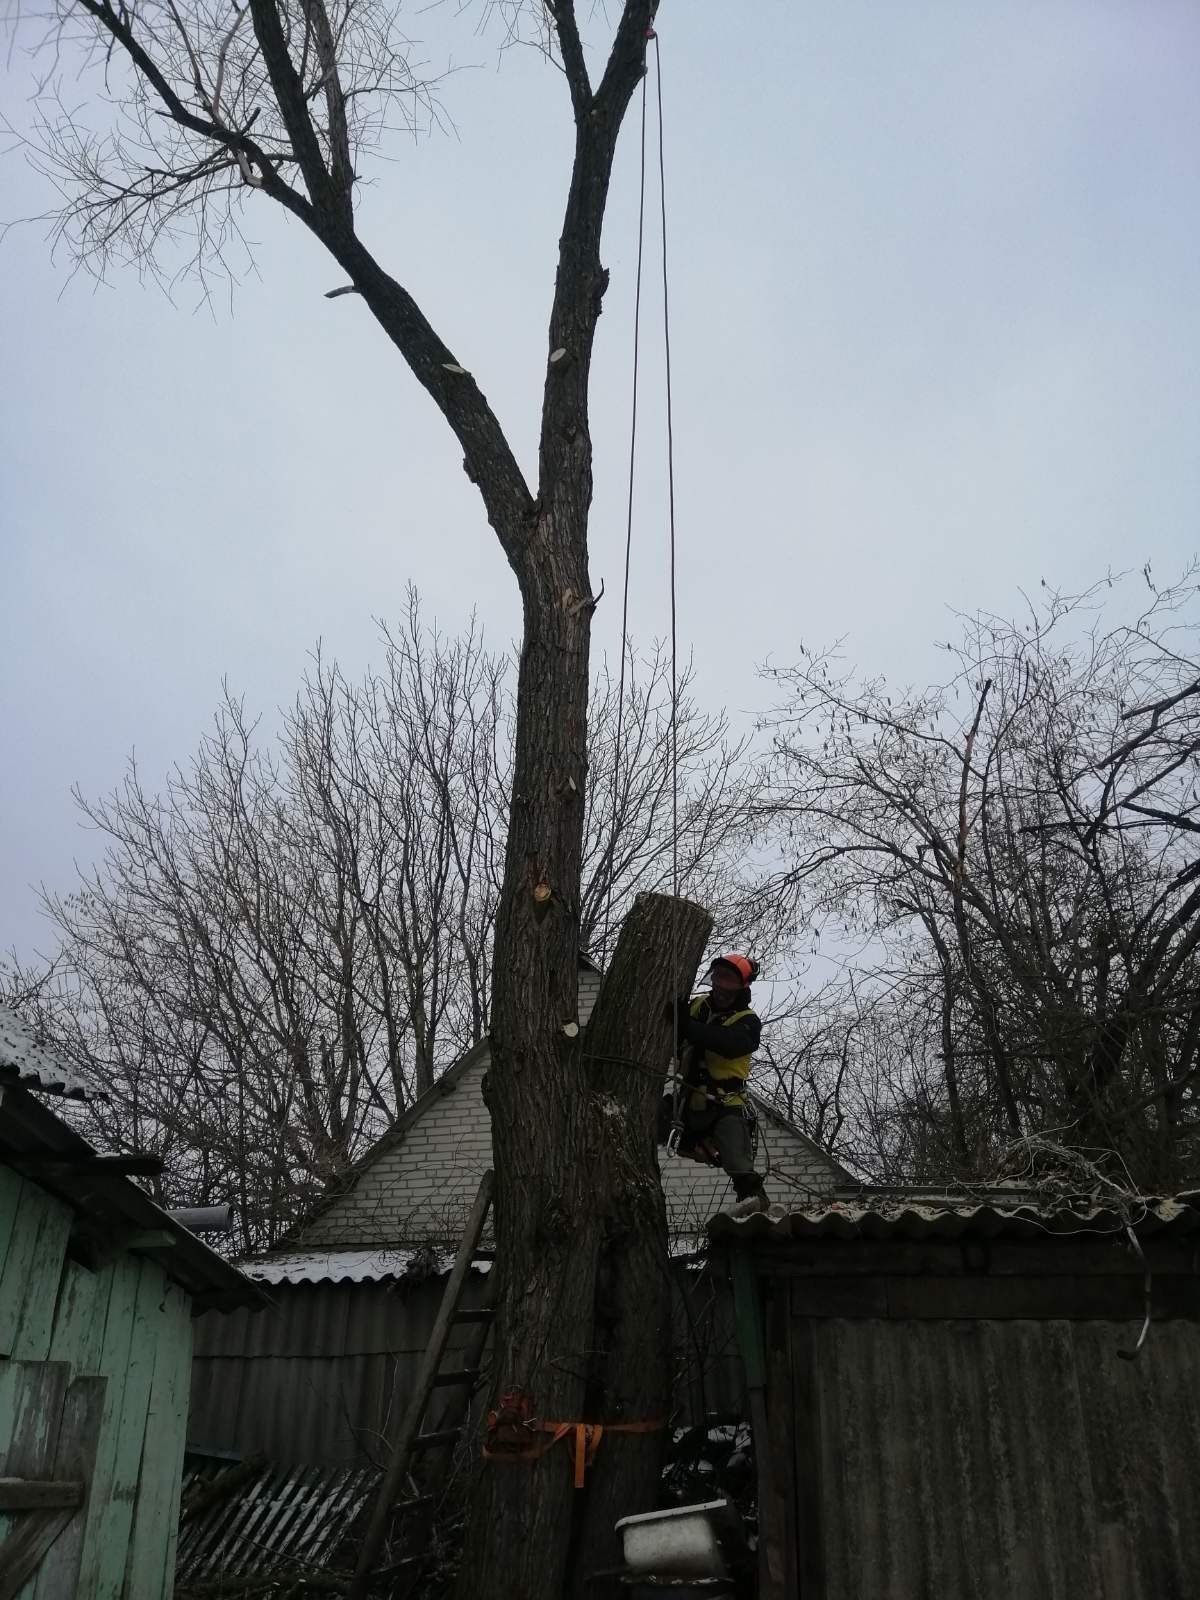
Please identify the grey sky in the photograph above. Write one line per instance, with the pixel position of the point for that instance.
(935, 306)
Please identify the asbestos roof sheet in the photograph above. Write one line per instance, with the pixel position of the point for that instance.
(893, 1217)
(33, 1062)
(349, 1266)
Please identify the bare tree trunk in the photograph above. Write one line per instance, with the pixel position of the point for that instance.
(627, 1053)
(546, 1230)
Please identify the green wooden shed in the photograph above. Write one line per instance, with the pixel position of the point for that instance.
(98, 1286)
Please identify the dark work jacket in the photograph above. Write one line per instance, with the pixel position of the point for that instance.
(722, 1043)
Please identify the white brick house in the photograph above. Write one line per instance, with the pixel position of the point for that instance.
(415, 1186)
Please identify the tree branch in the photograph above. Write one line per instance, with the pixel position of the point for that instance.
(571, 46)
(341, 163)
(120, 29)
(564, 451)
(293, 107)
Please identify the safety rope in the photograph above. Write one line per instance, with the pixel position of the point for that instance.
(673, 729)
(677, 1122)
(633, 416)
(666, 302)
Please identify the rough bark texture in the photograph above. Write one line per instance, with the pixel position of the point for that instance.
(547, 1231)
(627, 1053)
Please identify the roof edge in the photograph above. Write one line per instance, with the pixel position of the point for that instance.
(30, 1129)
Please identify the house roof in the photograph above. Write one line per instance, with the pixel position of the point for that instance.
(766, 1109)
(1016, 1214)
(350, 1266)
(28, 1059)
(42, 1148)
(442, 1086)
(446, 1084)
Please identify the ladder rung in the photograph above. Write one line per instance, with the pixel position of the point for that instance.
(474, 1314)
(430, 1441)
(464, 1375)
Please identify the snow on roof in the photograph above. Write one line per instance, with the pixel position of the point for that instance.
(889, 1215)
(351, 1266)
(34, 1062)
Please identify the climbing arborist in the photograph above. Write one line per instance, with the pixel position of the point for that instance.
(717, 1034)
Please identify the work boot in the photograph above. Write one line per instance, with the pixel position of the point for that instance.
(751, 1197)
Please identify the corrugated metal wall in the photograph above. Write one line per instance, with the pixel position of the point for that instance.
(999, 1459)
(313, 1380)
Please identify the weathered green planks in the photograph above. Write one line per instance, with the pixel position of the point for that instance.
(146, 1317)
(74, 1458)
(122, 1283)
(30, 1278)
(33, 1395)
(151, 1564)
(10, 1191)
(78, 1333)
(31, 1400)
(106, 1357)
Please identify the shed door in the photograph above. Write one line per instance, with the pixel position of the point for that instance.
(49, 1431)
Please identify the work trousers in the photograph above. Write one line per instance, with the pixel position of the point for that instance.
(731, 1135)
(726, 1129)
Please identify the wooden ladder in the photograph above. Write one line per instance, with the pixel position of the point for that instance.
(410, 1440)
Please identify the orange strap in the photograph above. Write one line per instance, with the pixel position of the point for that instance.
(587, 1441)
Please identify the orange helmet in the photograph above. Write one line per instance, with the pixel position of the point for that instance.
(745, 968)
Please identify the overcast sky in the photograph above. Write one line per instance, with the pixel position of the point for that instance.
(935, 308)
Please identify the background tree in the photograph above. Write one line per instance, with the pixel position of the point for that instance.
(1017, 847)
(279, 953)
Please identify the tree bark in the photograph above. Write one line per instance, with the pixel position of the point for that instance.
(548, 1232)
(584, 1332)
(627, 1052)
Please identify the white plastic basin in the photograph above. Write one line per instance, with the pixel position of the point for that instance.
(680, 1543)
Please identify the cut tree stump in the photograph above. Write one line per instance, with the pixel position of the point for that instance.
(627, 1050)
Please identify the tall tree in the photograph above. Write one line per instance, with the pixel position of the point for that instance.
(276, 100)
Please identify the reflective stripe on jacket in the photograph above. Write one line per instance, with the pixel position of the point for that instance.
(719, 1070)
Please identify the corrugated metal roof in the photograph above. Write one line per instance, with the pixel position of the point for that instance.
(33, 1061)
(894, 1219)
(272, 1522)
(38, 1144)
(350, 1266)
